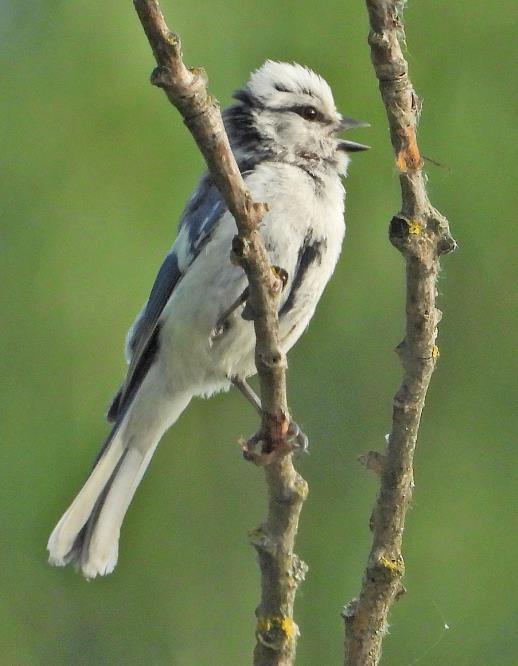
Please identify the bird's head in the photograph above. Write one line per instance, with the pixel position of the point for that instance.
(286, 112)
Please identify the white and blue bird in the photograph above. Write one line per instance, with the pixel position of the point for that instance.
(193, 337)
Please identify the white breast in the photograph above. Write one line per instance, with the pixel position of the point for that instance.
(303, 211)
(212, 283)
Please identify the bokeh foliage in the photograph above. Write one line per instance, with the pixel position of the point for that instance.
(95, 167)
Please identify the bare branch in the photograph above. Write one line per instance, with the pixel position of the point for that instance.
(422, 235)
(281, 570)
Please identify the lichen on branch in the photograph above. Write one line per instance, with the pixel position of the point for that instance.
(281, 570)
(422, 235)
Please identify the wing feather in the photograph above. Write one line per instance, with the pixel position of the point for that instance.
(199, 220)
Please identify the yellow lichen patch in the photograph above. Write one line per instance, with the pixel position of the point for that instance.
(301, 487)
(435, 352)
(395, 566)
(285, 624)
(415, 228)
(289, 627)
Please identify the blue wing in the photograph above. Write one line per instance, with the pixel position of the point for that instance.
(199, 220)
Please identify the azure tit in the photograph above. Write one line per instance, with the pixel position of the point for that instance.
(194, 336)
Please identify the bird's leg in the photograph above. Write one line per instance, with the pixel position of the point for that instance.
(248, 392)
(281, 274)
(219, 328)
(247, 314)
(297, 440)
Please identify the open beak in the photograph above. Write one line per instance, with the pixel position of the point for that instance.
(351, 146)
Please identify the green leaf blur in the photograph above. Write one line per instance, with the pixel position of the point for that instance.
(95, 168)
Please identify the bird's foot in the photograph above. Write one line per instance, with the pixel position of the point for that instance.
(262, 452)
(281, 275)
(298, 439)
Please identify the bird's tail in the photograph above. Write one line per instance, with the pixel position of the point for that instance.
(88, 533)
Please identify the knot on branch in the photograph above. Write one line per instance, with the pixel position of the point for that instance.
(250, 213)
(262, 541)
(174, 41)
(183, 85)
(256, 210)
(405, 403)
(387, 566)
(299, 570)
(349, 611)
(403, 231)
(373, 461)
(240, 250)
(421, 238)
(200, 75)
(161, 77)
(269, 547)
(446, 244)
(275, 359)
(276, 631)
(400, 591)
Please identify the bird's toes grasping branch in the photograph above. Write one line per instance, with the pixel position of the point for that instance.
(262, 451)
(258, 449)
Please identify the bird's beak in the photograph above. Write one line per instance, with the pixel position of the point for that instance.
(351, 146)
(351, 123)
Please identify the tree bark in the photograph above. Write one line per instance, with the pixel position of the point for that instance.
(422, 235)
(281, 570)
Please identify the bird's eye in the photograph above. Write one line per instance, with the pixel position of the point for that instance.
(308, 112)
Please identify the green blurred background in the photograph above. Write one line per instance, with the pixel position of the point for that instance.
(95, 168)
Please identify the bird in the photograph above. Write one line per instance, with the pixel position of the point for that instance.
(195, 335)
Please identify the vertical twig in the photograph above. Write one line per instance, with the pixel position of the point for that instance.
(281, 570)
(422, 235)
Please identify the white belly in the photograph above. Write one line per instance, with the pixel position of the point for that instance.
(197, 359)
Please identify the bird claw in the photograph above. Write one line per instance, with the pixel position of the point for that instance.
(298, 439)
(282, 275)
(255, 449)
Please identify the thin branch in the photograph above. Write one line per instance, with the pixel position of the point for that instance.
(422, 235)
(281, 570)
